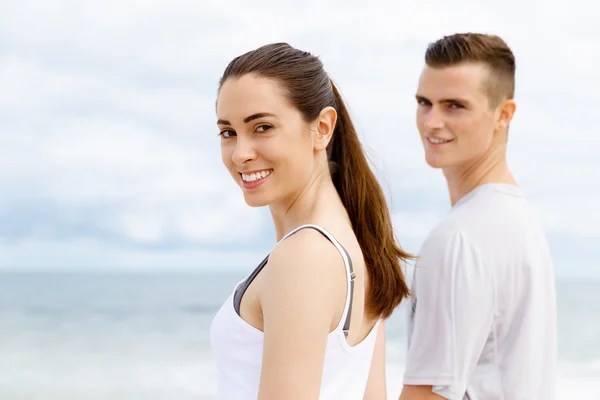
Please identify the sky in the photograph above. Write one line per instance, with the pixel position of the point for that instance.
(109, 155)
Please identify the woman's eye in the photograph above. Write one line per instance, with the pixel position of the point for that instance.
(263, 128)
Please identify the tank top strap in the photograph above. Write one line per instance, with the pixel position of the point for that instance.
(350, 276)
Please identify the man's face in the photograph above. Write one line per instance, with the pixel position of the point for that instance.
(454, 116)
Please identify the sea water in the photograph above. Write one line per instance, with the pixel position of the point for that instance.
(146, 336)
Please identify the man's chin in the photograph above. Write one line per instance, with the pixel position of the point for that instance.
(435, 163)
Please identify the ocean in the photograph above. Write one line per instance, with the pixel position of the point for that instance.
(113, 336)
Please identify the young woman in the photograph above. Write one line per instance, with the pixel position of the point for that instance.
(307, 323)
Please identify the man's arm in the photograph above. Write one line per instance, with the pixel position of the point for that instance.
(412, 392)
(453, 318)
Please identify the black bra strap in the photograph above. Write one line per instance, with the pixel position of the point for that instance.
(241, 289)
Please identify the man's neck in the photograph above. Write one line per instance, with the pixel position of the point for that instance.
(490, 168)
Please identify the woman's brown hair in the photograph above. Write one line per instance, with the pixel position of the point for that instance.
(308, 87)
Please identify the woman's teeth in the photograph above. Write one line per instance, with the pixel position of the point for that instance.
(255, 176)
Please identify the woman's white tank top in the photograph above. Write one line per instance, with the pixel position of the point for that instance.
(238, 346)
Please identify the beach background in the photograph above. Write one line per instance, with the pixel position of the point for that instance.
(121, 233)
(145, 336)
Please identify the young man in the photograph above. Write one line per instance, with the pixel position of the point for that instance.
(483, 318)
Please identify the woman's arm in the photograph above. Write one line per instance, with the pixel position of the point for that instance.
(376, 385)
(304, 285)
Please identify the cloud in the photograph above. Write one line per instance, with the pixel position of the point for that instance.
(108, 142)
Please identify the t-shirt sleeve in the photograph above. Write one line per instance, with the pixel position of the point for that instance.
(452, 316)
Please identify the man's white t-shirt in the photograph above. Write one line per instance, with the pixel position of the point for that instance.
(483, 318)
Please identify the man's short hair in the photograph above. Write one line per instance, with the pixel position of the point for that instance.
(491, 50)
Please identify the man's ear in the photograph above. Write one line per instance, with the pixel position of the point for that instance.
(506, 111)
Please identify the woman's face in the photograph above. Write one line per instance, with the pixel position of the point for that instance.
(266, 145)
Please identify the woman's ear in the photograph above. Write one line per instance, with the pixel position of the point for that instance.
(324, 128)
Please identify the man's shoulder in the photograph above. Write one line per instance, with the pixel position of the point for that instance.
(492, 229)
(446, 241)
(494, 212)
(492, 202)
(455, 224)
